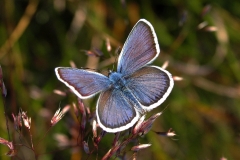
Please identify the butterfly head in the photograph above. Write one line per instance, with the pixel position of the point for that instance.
(110, 72)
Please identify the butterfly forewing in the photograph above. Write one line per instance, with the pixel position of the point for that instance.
(115, 112)
(82, 82)
(140, 48)
(150, 85)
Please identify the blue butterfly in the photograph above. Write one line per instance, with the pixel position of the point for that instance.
(132, 90)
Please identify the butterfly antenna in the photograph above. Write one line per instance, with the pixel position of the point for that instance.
(113, 66)
(116, 57)
(115, 62)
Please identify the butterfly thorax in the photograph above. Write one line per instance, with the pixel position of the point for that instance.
(120, 83)
(117, 80)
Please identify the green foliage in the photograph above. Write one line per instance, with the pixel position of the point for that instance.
(203, 109)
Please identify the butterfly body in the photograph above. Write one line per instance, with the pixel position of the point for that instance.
(117, 80)
(132, 90)
(119, 83)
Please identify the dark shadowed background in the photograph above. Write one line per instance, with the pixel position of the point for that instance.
(199, 39)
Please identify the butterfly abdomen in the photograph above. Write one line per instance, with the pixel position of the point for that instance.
(119, 83)
(128, 94)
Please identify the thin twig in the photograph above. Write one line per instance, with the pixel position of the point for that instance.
(232, 92)
(5, 114)
(3, 99)
(20, 28)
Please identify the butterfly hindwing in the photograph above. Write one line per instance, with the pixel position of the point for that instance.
(140, 48)
(115, 112)
(82, 82)
(151, 85)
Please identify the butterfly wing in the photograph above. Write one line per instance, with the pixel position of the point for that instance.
(151, 85)
(82, 82)
(115, 112)
(140, 48)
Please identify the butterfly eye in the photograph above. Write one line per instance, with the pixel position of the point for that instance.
(109, 72)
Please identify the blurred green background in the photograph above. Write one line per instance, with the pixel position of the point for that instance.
(200, 39)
